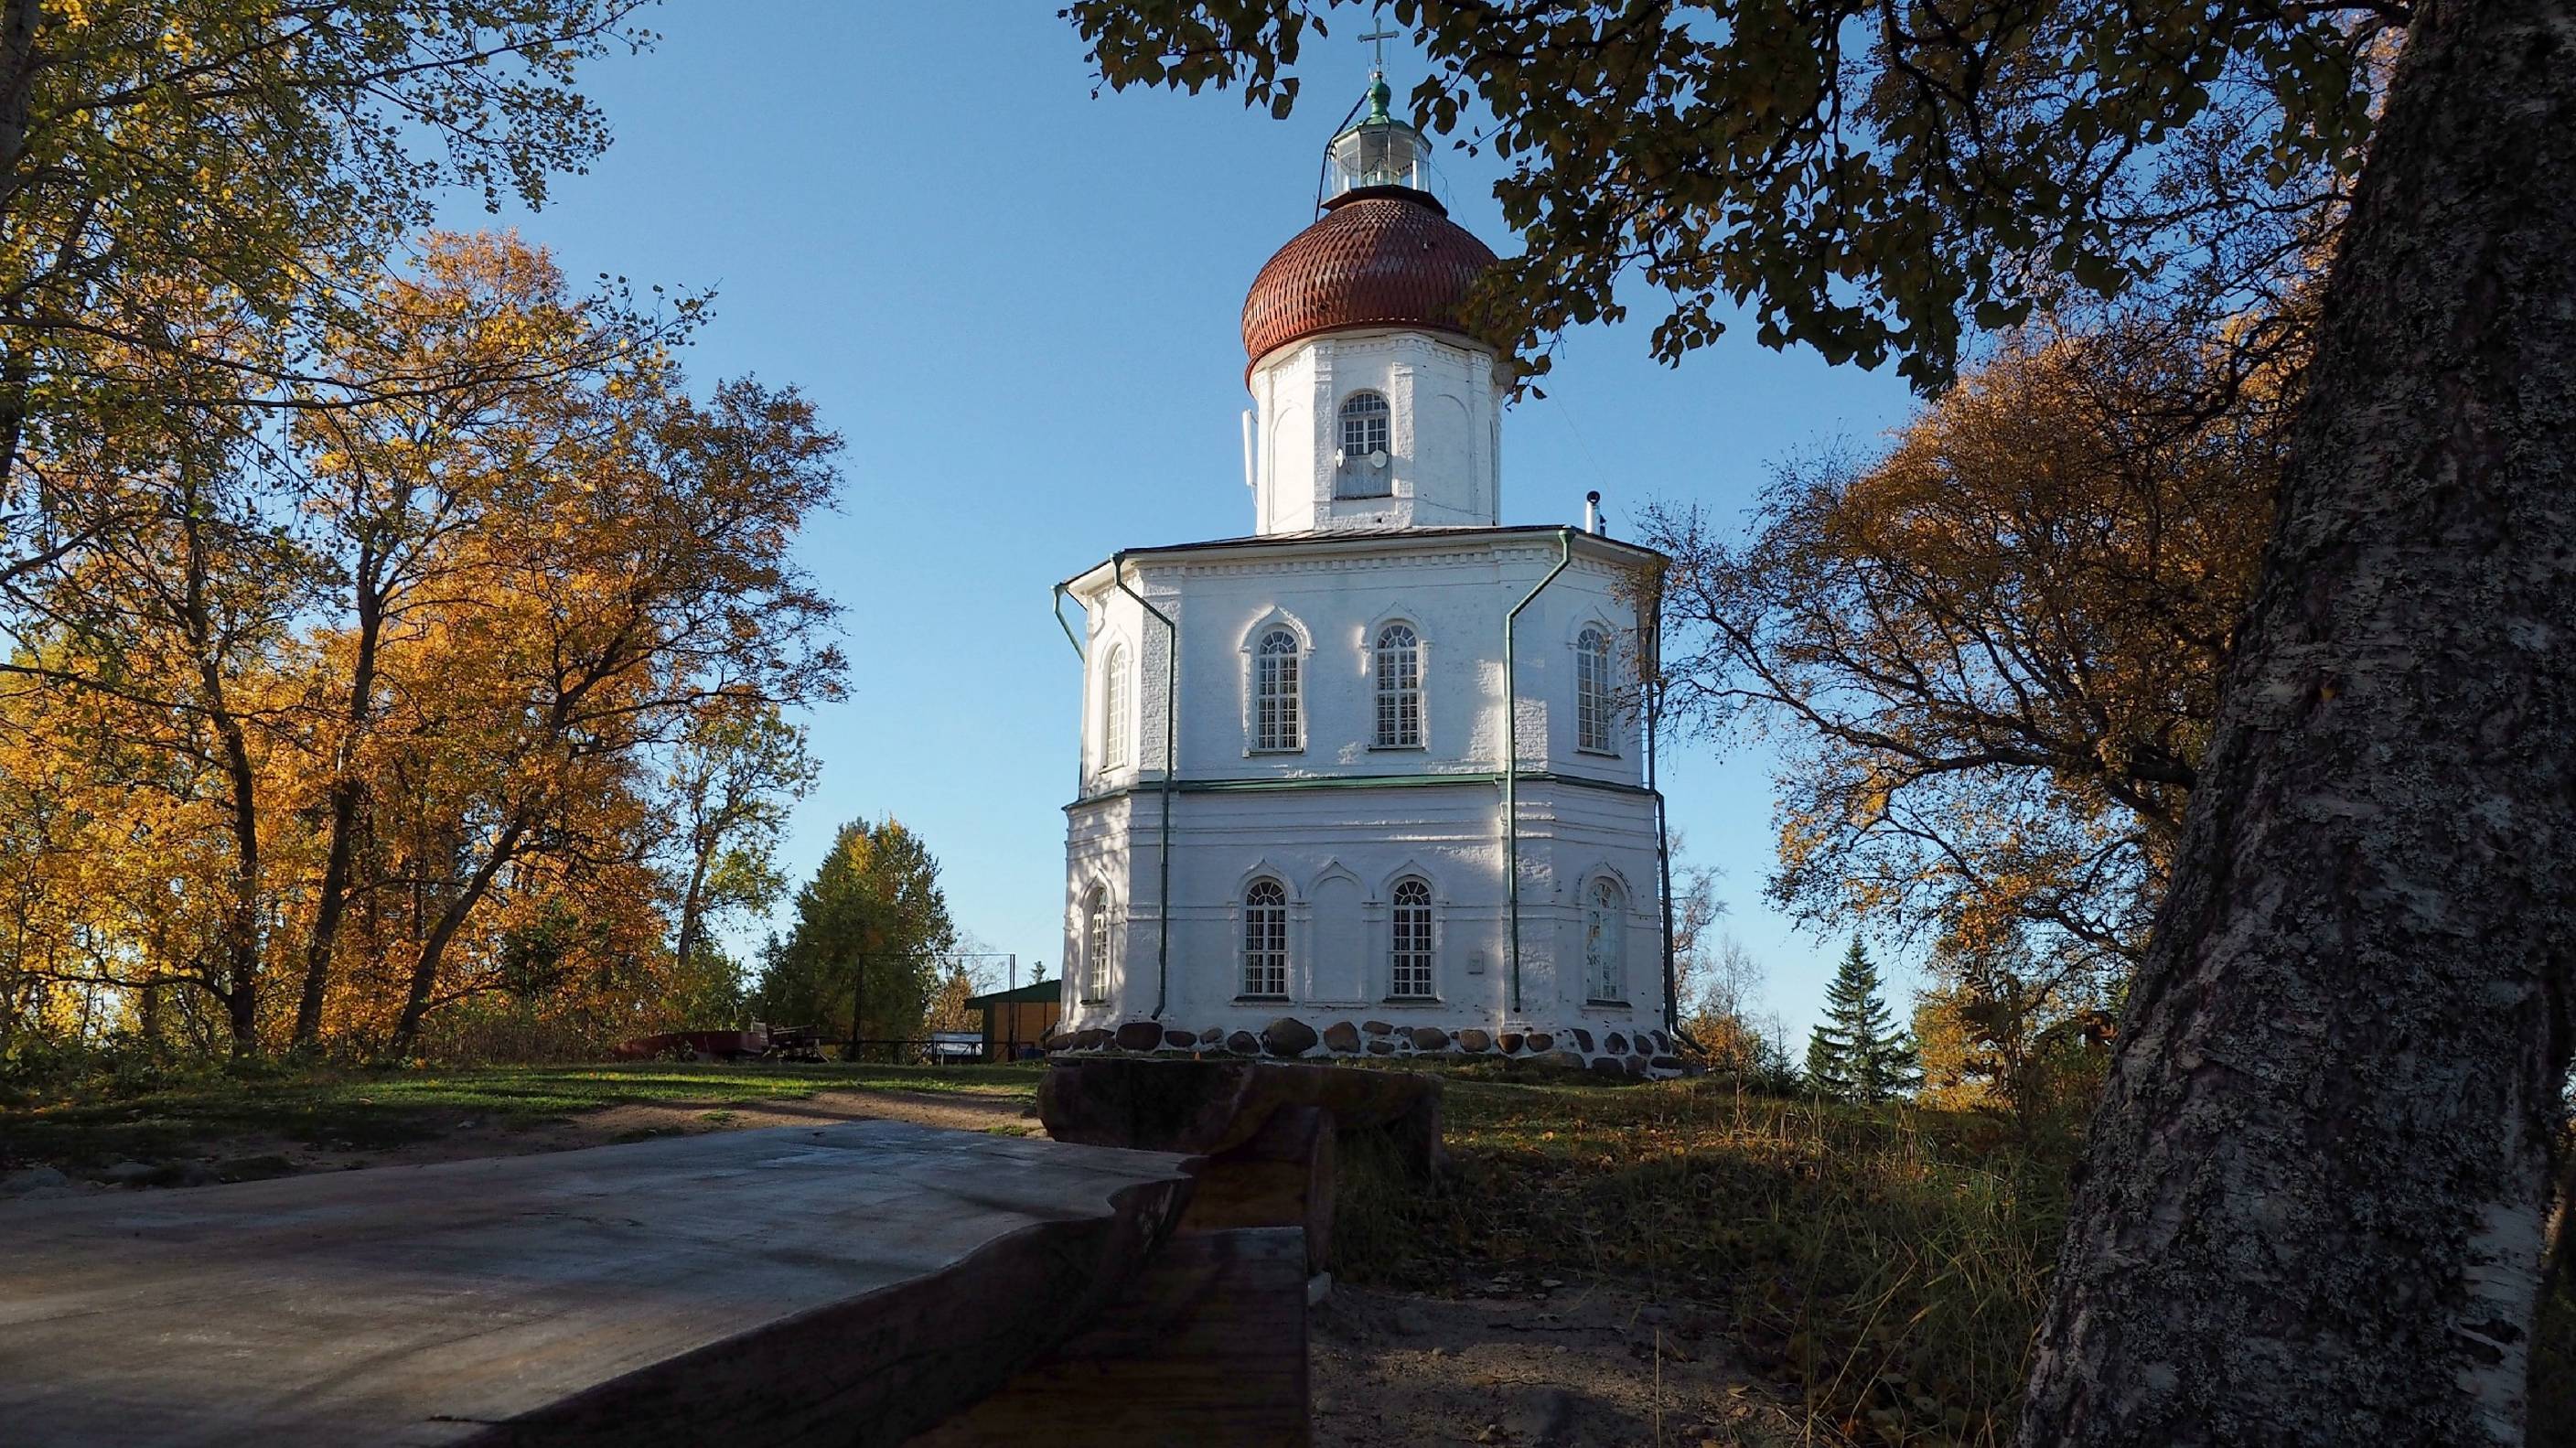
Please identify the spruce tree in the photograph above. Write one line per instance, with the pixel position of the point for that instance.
(1825, 1074)
(1858, 1055)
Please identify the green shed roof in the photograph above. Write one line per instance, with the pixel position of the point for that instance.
(1044, 990)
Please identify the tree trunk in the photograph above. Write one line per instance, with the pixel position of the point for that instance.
(693, 900)
(242, 943)
(18, 20)
(347, 789)
(424, 970)
(17, 94)
(241, 924)
(2311, 1207)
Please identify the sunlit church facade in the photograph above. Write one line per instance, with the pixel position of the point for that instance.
(1369, 780)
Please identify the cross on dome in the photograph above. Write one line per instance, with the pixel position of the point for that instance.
(1377, 149)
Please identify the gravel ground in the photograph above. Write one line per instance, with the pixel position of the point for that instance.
(1528, 1362)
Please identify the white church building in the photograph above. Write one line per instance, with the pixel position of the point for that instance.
(1370, 780)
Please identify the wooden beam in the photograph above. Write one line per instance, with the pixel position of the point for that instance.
(1208, 1346)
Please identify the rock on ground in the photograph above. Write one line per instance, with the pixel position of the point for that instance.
(35, 1180)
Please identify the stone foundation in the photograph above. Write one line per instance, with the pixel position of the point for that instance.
(1625, 1054)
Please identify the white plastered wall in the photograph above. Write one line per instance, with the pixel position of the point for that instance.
(1444, 395)
(1338, 821)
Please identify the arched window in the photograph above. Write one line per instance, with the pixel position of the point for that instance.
(1095, 946)
(1605, 940)
(1399, 688)
(1265, 939)
(1409, 975)
(1113, 708)
(1275, 721)
(1364, 416)
(1592, 703)
(1364, 419)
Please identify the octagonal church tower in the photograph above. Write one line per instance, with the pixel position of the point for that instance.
(1368, 780)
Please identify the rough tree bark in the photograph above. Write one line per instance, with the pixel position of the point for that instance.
(2311, 1208)
(421, 997)
(243, 942)
(348, 790)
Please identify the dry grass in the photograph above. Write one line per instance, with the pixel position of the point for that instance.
(1884, 1266)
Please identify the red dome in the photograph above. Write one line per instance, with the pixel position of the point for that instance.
(1383, 256)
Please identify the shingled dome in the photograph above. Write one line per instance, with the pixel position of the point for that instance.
(1380, 256)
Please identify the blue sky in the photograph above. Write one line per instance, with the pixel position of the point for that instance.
(1018, 303)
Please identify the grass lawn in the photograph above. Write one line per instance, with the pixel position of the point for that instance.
(373, 1109)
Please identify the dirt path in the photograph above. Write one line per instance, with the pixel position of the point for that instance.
(1530, 1365)
(637, 1120)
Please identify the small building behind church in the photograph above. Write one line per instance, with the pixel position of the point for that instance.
(1369, 779)
(1018, 1020)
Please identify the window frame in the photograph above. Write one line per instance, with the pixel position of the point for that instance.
(1605, 971)
(1278, 692)
(1377, 434)
(1419, 956)
(1377, 425)
(1116, 735)
(1265, 909)
(1096, 943)
(1390, 697)
(1596, 710)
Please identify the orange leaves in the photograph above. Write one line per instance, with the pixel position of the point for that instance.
(1996, 647)
(374, 717)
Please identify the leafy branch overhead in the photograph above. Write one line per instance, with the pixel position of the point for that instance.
(1871, 179)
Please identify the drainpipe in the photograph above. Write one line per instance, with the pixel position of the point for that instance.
(1163, 840)
(1081, 763)
(1069, 635)
(1512, 757)
(1663, 831)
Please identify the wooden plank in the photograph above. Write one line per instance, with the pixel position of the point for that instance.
(1208, 1108)
(1282, 1177)
(1208, 1346)
(846, 1284)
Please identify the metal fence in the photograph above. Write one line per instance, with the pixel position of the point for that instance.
(917, 1052)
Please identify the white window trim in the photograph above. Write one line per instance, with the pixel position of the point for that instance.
(1372, 656)
(1286, 963)
(1431, 912)
(1623, 915)
(1355, 466)
(1273, 621)
(1099, 945)
(1116, 734)
(1610, 695)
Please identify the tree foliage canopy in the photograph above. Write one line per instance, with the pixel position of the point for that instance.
(268, 156)
(1993, 652)
(387, 703)
(872, 930)
(1868, 178)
